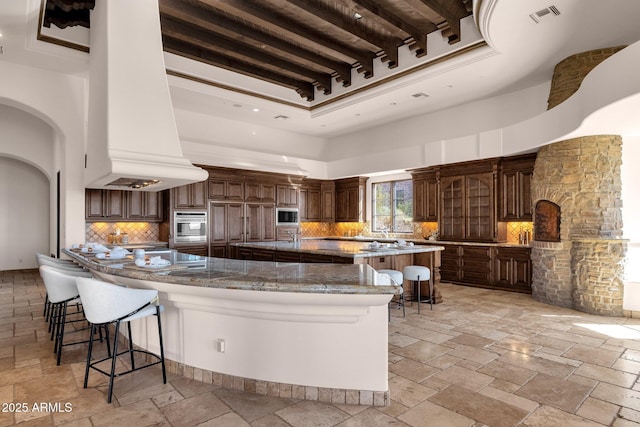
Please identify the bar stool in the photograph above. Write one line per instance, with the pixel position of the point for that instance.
(397, 279)
(62, 292)
(418, 273)
(106, 303)
(60, 264)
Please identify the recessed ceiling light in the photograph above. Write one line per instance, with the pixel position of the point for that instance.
(255, 110)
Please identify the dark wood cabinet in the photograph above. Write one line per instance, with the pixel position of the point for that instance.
(226, 189)
(467, 208)
(200, 250)
(287, 195)
(259, 192)
(310, 202)
(226, 223)
(219, 251)
(475, 265)
(512, 268)
(451, 262)
(350, 199)
(515, 188)
(145, 206)
(328, 201)
(425, 197)
(317, 201)
(237, 222)
(105, 205)
(191, 196)
(260, 222)
(495, 267)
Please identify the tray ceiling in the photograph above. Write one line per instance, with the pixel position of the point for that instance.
(304, 45)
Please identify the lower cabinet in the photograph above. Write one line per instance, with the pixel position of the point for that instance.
(512, 268)
(496, 267)
(201, 250)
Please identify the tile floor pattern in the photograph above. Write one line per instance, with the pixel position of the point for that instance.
(481, 358)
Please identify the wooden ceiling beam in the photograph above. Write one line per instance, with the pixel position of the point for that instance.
(452, 12)
(179, 47)
(372, 10)
(350, 25)
(204, 17)
(256, 13)
(180, 30)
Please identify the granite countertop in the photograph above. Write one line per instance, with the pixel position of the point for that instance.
(223, 273)
(141, 245)
(340, 248)
(423, 241)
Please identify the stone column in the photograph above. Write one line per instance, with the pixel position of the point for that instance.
(582, 175)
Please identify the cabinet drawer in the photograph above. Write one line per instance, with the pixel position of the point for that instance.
(476, 252)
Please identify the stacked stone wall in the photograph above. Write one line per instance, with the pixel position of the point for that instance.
(582, 176)
(569, 73)
(598, 266)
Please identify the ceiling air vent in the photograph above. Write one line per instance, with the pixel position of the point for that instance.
(544, 13)
(420, 95)
(281, 117)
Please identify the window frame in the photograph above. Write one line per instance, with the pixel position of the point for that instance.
(392, 207)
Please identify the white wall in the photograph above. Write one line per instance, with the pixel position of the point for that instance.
(24, 214)
(59, 101)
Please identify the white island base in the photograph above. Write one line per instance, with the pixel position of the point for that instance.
(330, 347)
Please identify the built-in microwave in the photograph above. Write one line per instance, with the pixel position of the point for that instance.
(287, 216)
(189, 227)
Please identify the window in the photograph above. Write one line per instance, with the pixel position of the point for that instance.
(392, 207)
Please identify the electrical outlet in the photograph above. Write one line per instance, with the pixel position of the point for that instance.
(221, 345)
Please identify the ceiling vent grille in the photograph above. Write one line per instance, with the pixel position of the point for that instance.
(544, 13)
(420, 95)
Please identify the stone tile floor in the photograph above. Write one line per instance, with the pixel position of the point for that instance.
(481, 358)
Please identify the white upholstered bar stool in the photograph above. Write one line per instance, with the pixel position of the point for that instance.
(62, 292)
(106, 303)
(419, 273)
(60, 264)
(397, 279)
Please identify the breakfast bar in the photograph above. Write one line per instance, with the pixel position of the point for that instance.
(308, 329)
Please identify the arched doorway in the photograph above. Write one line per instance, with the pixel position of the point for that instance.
(24, 214)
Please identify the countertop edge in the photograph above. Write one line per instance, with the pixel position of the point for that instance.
(234, 281)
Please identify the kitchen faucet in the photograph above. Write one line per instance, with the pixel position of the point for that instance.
(294, 236)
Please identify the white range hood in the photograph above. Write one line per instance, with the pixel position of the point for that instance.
(133, 140)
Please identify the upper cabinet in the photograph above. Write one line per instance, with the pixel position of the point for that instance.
(105, 205)
(229, 189)
(287, 195)
(317, 201)
(145, 206)
(350, 199)
(515, 188)
(260, 192)
(191, 196)
(425, 196)
(119, 205)
(468, 202)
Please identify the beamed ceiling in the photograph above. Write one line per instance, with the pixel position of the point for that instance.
(298, 44)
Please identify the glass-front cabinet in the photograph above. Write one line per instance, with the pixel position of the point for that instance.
(467, 207)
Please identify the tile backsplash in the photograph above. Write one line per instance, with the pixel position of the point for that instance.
(137, 231)
(421, 230)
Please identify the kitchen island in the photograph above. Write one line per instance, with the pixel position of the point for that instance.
(389, 256)
(304, 331)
